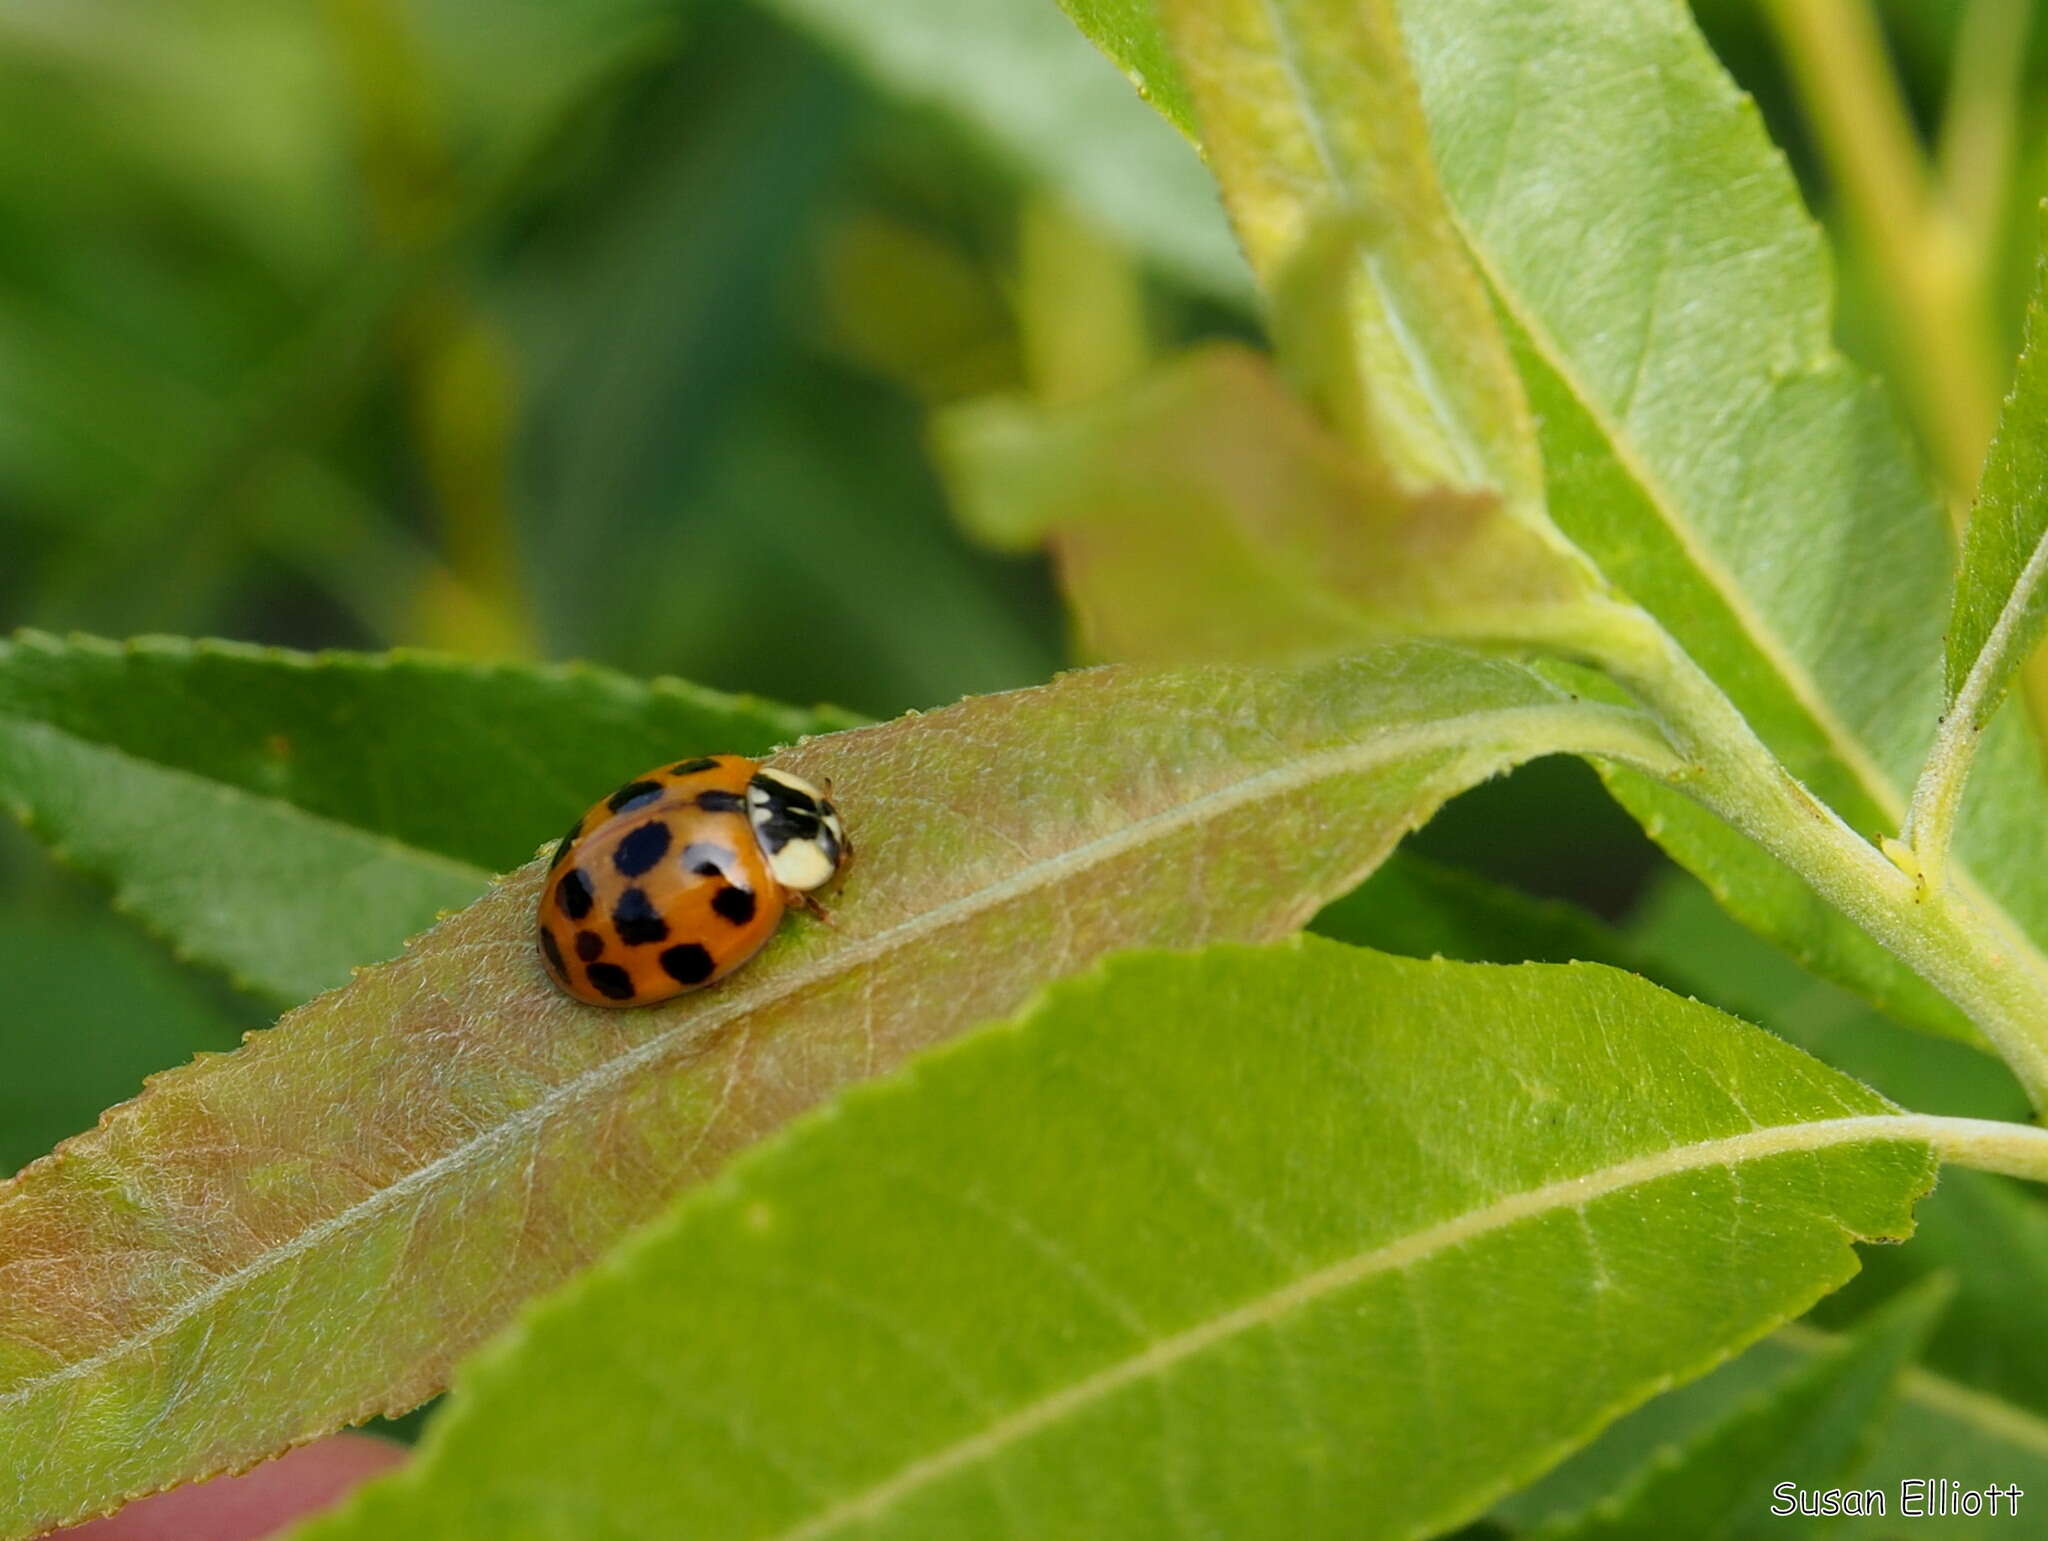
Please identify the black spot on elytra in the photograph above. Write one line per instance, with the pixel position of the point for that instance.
(687, 964)
(735, 904)
(634, 794)
(574, 895)
(692, 767)
(708, 860)
(641, 849)
(721, 802)
(611, 981)
(636, 920)
(567, 841)
(589, 946)
(552, 952)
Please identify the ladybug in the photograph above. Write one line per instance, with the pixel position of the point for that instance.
(681, 875)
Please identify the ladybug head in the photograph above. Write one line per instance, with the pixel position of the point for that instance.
(798, 828)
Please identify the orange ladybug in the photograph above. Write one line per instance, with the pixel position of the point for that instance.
(681, 875)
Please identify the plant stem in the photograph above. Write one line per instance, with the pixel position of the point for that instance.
(1933, 241)
(1937, 796)
(1963, 948)
(2013, 1150)
(1979, 129)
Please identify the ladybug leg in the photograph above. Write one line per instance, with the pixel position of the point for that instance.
(797, 899)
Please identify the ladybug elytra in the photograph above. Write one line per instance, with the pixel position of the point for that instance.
(681, 875)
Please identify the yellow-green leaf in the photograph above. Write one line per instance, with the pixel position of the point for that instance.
(1302, 1241)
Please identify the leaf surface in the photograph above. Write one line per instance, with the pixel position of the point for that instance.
(1941, 1429)
(286, 816)
(1705, 443)
(1310, 122)
(1683, 939)
(2001, 601)
(271, 1243)
(89, 1008)
(1990, 1235)
(1045, 1281)
(1668, 303)
(1937, 1427)
(1813, 1428)
(1204, 513)
(1420, 908)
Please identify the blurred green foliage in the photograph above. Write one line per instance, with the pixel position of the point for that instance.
(600, 329)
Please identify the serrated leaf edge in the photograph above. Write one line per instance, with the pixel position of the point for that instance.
(1523, 731)
(1573, 1192)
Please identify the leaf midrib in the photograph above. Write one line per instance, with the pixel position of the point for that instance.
(1610, 731)
(1993, 657)
(1404, 1252)
(1877, 783)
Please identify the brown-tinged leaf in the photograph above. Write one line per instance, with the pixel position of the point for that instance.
(271, 1243)
(1205, 513)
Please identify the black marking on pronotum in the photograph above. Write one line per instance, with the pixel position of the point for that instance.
(554, 953)
(708, 860)
(785, 794)
(567, 841)
(791, 815)
(589, 946)
(693, 767)
(641, 849)
(611, 981)
(634, 794)
(687, 963)
(636, 921)
(573, 893)
(721, 802)
(735, 904)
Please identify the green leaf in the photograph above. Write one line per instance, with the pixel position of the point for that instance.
(1705, 444)
(2001, 602)
(89, 1009)
(1018, 79)
(1421, 908)
(1937, 1428)
(1991, 1236)
(419, 1152)
(1044, 1281)
(1680, 937)
(1204, 513)
(1128, 31)
(286, 816)
(1813, 1428)
(1668, 302)
(1941, 1430)
(1311, 125)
